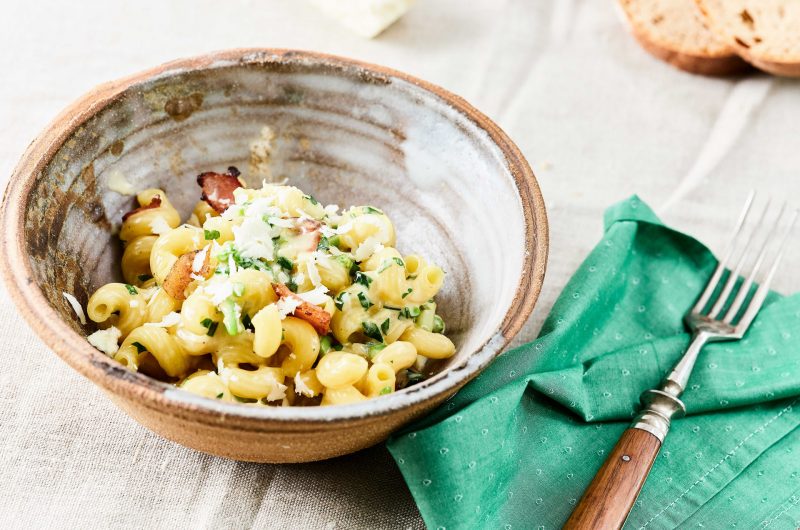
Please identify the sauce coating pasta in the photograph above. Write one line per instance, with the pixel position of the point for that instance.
(267, 297)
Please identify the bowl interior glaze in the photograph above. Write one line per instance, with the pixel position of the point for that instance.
(457, 190)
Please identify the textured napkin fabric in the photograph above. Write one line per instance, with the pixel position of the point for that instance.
(516, 448)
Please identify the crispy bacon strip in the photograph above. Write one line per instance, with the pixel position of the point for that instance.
(155, 202)
(218, 188)
(180, 275)
(314, 315)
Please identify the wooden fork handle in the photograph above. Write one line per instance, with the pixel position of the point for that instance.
(610, 496)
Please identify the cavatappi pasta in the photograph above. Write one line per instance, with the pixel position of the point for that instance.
(265, 296)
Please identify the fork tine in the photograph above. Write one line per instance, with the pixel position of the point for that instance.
(715, 277)
(763, 289)
(734, 274)
(744, 289)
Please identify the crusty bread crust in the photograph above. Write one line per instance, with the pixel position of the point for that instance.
(720, 61)
(723, 65)
(755, 55)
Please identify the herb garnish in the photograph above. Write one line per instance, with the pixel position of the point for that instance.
(371, 330)
(365, 303)
(210, 235)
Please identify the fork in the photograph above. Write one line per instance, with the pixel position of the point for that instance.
(723, 312)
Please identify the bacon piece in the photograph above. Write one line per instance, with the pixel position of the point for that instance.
(314, 315)
(310, 229)
(182, 273)
(218, 188)
(155, 202)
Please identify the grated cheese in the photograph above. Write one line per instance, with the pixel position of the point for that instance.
(76, 306)
(199, 260)
(219, 291)
(300, 386)
(169, 320)
(287, 306)
(277, 390)
(106, 340)
(253, 239)
(315, 296)
(159, 226)
(370, 246)
(313, 271)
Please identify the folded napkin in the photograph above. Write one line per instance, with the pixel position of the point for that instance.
(516, 447)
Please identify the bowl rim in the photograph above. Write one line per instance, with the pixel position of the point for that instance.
(76, 351)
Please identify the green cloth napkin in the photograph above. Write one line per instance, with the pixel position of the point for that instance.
(516, 448)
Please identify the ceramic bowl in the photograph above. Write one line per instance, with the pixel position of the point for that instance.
(458, 190)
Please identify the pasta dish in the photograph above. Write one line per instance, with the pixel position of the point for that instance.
(265, 296)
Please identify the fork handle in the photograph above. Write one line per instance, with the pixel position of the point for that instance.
(610, 496)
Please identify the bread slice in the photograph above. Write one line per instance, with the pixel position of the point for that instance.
(765, 32)
(674, 31)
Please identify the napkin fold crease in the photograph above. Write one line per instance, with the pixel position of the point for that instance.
(518, 445)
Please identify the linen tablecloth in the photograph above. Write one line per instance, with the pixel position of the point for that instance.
(597, 118)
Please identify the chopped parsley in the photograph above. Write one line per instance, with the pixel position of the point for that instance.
(371, 330)
(210, 325)
(389, 263)
(219, 396)
(311, 199)
(410, 312)
(210, 235)
(438, 324)
(140, 348)
(370, 209)
(408, 292)
(144, 277)
(230, 316)
(386, 390)
(363, 279)
(247, 322)
(131, 289)
(374, 347)
(365, 303)
(291, 285)
(324, 243)
(334, 240)
(325, 344)
(285, 263)
(346, 261)
(385, 326)
(413, 376)
(339, 300)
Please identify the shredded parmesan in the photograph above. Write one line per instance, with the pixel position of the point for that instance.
(169, 320)
(199, 260)
(286, 306)
(106, 340)
(300, 386)
(253, 239)
(344, 228)
(219, 291)
(313, 271)
(76, 306)
(370, 246)
(159, 226)
(277, 390)
(315, 296)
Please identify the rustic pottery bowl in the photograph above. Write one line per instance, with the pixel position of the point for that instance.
(458, 190)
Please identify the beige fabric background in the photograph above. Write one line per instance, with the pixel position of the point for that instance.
(597, 118)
